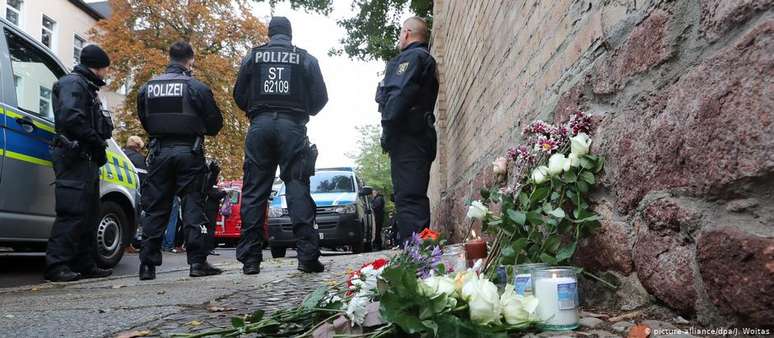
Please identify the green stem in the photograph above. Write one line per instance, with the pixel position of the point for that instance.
(310, 331)
(608, 284)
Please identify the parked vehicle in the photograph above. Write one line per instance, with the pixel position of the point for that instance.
(228, 227)
(26, 174)
(344, 215)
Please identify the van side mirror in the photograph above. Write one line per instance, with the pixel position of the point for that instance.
(365, 191)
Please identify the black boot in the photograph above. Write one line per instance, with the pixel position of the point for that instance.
(251, 268)
(311, 266)
(63, 274)
(147, 272)
(203, 269)
(96, 272)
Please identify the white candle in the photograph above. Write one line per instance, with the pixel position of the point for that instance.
(557, 301)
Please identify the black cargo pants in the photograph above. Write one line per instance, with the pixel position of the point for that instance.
(410, 160)
(271, 141)
(74, 233)
(174, 170)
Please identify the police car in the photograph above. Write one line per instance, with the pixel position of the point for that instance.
(26, 174)
(344, 216)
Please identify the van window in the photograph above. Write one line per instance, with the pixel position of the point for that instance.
(34, 75)
(331, 182)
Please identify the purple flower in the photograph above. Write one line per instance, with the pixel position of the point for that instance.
(538, 128)
(546, 144)
(579, 122)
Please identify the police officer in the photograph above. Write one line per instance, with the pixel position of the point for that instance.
(78, 152)
(406, 98)
(176, 110)
(279, 86)
(212, 198)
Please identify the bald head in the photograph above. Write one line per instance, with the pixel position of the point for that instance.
(414, 30)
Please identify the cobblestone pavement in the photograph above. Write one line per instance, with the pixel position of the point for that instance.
(169, 304)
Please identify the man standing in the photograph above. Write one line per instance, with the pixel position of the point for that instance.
(176, 110)
(406, 100)
(378, 206)
(279, 86)
(78, 153)
(212, 198)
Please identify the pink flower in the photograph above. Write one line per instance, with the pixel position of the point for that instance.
(523, 153)
(546, 145)
(579, 122)
(537, 127)
(500, 166)
(512, 153)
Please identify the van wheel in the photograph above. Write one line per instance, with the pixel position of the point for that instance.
(112, 235)
(278, 252)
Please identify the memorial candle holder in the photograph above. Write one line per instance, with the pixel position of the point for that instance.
(475, 250)
(523, 280)
(556, 289)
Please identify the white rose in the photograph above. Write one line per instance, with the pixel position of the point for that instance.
(540, 174)
(557, 164)
(483, 300)
(517, 309)
(477, 210)
(500, 166)
(579, 145)
(440, 285)
(356, 309)
(573, 160)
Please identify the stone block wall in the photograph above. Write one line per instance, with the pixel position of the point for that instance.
(682, 93)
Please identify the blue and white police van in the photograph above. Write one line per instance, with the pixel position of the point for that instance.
(344, 216)
(28, 71)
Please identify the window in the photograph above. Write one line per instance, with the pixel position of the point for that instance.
(13, 11)
(331, 182)
(47, 32)
(34, 74)
(78, 43)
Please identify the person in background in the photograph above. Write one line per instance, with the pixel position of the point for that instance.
(212, 200)
(78, 151)
(377, 204)
(406, 98)
(133, 151)
(172, 229)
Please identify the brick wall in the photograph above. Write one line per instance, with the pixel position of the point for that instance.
(682, 93)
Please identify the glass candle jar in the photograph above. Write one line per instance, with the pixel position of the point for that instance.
(454, 258)
(522, 281)
(556, 289)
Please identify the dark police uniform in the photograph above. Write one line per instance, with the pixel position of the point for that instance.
(279, 86)
(212, 200)
(176, 110)
(78, 153)
(406, 100)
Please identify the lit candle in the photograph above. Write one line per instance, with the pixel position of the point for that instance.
(474, 250)
(557, 292)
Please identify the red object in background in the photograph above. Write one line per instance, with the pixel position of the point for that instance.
(227, 229)
(474, 250)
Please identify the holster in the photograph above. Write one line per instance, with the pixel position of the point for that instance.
(310, 159)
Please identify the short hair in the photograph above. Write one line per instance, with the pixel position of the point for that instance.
(181, 51)
(418, 26)
(135, 142)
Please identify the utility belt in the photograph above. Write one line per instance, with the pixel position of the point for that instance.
(293, 117)
(195, 142)
(418, 122)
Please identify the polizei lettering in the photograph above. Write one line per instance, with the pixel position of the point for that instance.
(277, 57)
(165, 90)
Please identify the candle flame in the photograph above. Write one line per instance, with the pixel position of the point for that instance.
(473, 232)
(553, 275)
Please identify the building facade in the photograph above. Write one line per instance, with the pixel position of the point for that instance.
(62, 26)
(681, 92)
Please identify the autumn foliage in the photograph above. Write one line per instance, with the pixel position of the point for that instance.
(138, 35)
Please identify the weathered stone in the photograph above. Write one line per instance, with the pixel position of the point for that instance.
(719, 16)
(661, 141)
(609, 248)
(622, 326)
(590, 322)
(663, 261)
(666, 214)
(647, 46)
(738, 273)
(742, 204)
(602, 334)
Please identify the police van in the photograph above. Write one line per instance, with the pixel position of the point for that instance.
(28, 71)
(344, 216)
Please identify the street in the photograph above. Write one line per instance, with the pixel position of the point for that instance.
(173, 303)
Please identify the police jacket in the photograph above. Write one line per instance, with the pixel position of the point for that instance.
(408, 92)
(279, 77)
(174, 104)
(78, 110)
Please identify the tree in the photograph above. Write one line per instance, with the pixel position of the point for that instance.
(373, 32)
(373, 165)
(138, 35)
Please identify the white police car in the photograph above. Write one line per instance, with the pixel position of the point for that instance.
(26, 174)
(344, 216)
